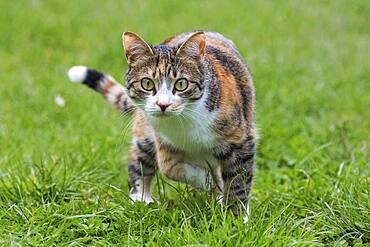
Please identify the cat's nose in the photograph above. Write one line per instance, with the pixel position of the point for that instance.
(163, 106)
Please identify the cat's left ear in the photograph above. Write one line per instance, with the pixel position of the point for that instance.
(194, 46)
(135, 47)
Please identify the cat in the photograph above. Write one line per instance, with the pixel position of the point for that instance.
(193, 102)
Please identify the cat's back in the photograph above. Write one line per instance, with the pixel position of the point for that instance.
(214, 41)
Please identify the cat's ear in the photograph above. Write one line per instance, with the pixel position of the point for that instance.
(135, 47)
(194, 46)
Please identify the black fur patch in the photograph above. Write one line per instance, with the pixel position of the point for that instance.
(92, 79)
(147, 156)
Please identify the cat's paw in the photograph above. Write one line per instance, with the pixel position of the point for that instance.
(246, 215)
(219, 199)
(139, 197)
(77, 73)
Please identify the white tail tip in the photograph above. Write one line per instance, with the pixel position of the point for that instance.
(77, 73)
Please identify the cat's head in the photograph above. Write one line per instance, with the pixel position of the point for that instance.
(165, 80)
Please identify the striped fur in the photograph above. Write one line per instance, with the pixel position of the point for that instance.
(205, 134)
(106, 85)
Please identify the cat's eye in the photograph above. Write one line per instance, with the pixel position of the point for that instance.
(147, 84)
(181, 84)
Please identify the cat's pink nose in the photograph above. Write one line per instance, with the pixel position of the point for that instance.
(163, 106)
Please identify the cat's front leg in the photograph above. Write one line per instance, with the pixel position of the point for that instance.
(237, 174)
(141, 169)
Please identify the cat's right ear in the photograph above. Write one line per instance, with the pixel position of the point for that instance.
(135, 47)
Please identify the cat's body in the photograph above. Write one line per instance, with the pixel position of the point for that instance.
(192, 98)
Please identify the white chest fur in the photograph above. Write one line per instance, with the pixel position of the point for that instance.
(190, 131)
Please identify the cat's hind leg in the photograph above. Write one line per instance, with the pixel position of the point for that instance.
(237, 174)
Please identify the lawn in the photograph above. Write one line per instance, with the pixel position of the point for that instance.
(63, 169)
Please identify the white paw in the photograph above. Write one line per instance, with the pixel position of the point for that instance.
(219, 199)
(246, 219)
(139, 197)
(246, 216)
(77, 73)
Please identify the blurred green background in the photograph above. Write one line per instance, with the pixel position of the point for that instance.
(61, 167)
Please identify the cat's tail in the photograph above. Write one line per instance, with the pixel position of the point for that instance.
(106, 85)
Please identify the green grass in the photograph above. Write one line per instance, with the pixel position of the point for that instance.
(63, 169)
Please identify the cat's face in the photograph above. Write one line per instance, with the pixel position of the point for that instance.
(164, 80)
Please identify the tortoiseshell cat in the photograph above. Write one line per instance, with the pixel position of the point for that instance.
(192, 98)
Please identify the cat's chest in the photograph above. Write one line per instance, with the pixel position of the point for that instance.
(190, 134)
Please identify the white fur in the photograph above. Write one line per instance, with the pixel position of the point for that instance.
(77, 73)
(247, 214)
(165, 96)
(196, 177)
(139, 197)
(143, 193)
